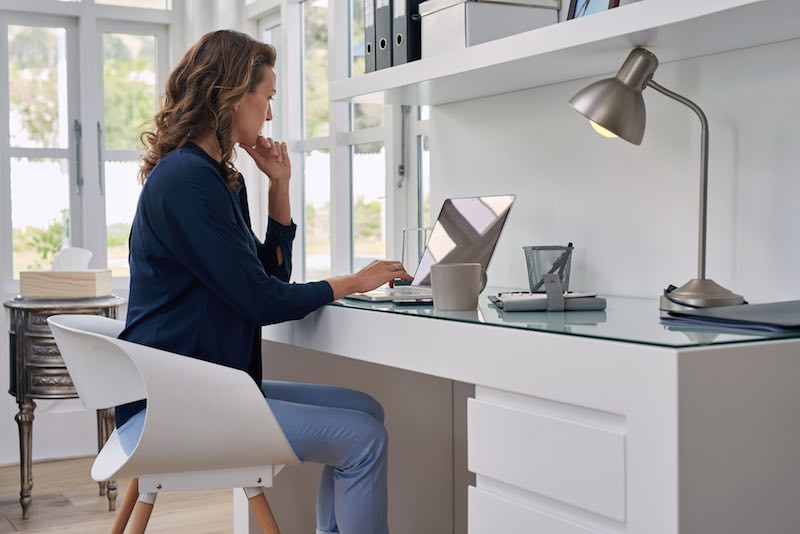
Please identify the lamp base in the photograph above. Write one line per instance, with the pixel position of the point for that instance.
(699, 293)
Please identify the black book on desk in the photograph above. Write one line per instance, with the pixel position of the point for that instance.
(770, 317)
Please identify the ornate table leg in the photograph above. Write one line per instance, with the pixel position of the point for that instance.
(101, 440)
(105, 427)
(25, 422)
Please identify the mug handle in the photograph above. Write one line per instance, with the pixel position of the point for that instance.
(484, 280)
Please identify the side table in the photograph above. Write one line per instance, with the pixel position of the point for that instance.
(37, 371)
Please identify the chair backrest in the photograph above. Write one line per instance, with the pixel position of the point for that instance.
(200, 415)
(104, 376)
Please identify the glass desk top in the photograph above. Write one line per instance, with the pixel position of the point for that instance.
(633, 320)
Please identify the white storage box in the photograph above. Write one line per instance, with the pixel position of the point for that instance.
(450, 25)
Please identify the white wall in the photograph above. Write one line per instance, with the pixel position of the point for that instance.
(632, 211)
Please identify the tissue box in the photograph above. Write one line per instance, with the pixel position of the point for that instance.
(451, 25)
(65, 284)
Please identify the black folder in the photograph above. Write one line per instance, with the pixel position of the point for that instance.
(383, 34)
(369, 35)
(406, 27)
(772, 316)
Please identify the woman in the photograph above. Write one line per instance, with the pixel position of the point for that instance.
(202, 284)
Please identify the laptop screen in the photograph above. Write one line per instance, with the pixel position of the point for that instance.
(466, 231)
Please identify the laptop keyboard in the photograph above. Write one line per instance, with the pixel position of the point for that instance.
(403, 291)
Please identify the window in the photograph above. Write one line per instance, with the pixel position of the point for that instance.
(316, 128)
(424, 172)
(68, 161)
(315, 68)
(369, 203)
(41, 85)
(148, 4)
(344, 160)
(317, 214)
(271, 34)
(130, 77)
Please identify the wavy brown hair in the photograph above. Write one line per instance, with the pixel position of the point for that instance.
(201, 92)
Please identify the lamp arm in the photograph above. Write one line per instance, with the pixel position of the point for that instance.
(701, 242)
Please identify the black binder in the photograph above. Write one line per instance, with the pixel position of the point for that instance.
(406, 26)
(369, 35)
(383, 34)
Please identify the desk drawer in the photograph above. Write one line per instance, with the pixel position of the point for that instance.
(561, 459)
(492, 514)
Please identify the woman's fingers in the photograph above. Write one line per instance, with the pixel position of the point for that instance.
(275, 149)
(396, 270)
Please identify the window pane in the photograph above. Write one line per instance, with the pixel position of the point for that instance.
(122, 195)
(424, 181)
(273, 129)
(315, 68)
(37, 68)
(424, 113)
(369, 203)
(129, 87)
(39, 211)
(317, 214)
(357, 53)
(367, 116)
(149, 4)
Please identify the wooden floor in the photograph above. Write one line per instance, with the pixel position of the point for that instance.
(66, 501)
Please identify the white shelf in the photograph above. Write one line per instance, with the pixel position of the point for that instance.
(594, 45)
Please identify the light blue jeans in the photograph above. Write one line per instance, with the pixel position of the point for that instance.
(339, 428)
(343, 430)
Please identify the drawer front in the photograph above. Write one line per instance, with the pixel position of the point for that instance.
(561, 459)
(37, 320)
(492, 514)
(50, 383)
(43, 351)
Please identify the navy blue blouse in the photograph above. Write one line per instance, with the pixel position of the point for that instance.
(202, 284)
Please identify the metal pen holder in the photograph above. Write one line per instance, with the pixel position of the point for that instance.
(551, 259)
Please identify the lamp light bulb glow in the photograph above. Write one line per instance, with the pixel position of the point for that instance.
(602, 131)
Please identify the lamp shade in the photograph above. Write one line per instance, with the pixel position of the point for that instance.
(616, 103)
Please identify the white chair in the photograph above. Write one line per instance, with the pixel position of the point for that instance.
(207, 426)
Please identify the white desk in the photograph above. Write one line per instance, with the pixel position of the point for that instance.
(598, 421)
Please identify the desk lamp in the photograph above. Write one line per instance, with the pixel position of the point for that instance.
(615, 108)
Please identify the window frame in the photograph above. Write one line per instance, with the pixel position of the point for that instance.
(402, 204)
(103, 155)
(7, 152)
(87, 211)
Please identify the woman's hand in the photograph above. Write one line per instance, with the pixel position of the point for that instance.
(372, 276)
(272, 158)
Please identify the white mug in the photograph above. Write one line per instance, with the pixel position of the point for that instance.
(456, 286)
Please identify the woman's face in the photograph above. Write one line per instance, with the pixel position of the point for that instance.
(253, 109)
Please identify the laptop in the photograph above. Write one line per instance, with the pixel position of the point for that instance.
(466, 231)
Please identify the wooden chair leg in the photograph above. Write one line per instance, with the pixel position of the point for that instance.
(141, 515)
(125, 509)
(263, 513)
